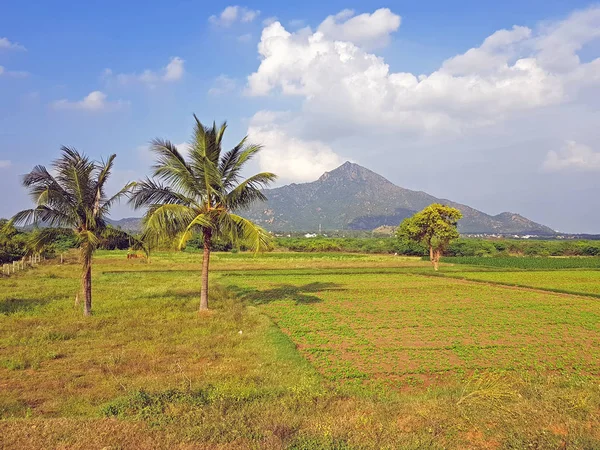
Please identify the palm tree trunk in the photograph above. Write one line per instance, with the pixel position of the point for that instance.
(207, 235)
(86, 286)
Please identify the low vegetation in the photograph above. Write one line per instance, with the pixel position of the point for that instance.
(320, 350)
(528, 263)
(464, 247)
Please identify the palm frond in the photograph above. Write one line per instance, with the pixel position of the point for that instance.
(200, 221)
(87, 239)
(42, 238)
(107, 204)
(150, 191)
(43, 187)
(23, 218)
(230, 158)
(74, 171)
(207, 141)
(103, 173)
(172, 168)
(249, 191)
(42, 214)
(191, 194)
(241, 230)
(245, 154)
(167, 220)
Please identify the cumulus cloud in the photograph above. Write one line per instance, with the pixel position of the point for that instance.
(94, 102)
(573, 156)
(5, 164)
(559, 42)
(233, 14)
(365, 30)
(506, 89)
(222, 85)
(291, 158)
(495, 51)
(269, 20)
(340, 80)
(172, 72)
(6, 44)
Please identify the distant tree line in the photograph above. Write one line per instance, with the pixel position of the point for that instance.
(460, 247)
(16, 243)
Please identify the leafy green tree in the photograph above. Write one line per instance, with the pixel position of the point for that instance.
(199, 194)
(73, 197)
(13, 244)
(434, 227)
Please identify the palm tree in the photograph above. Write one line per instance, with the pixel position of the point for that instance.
(73, 197)
(201, 192)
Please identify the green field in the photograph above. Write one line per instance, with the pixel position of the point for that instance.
(300, 351)
(585, 282)
(529, 263)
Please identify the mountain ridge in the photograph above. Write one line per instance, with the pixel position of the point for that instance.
(354, 197)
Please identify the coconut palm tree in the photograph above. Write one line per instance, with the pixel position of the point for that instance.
(74, 196)
(200, 193)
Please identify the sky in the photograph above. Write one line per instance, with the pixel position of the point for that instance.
(491, 104)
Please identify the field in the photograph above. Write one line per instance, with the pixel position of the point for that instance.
(533, 263)
(323, 350)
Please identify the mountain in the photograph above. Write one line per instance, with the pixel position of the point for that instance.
(133, 224)
(353, 197)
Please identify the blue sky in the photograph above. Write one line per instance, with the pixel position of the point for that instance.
(535, 154)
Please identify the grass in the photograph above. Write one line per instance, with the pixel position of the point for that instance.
(529, 263)
(581, 282)
(300, 351)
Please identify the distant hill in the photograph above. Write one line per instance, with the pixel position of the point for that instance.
(353, 197)
(132, 224)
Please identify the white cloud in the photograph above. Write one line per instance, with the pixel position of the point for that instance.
(559, 42)
(501, 101)
(573, 156)
(495, 52)
(269, 20)
(13, 73)
(222, 85)
(95, 101)
(365, 30)
(172, 72)
(233, 14)
(341, 82)
(248, 15)
(6, 44)
(291, 158)
(5, 164)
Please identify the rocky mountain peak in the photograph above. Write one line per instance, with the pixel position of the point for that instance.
(353, 172)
